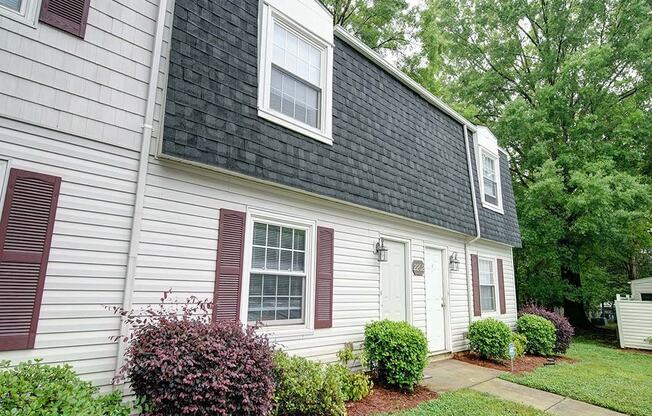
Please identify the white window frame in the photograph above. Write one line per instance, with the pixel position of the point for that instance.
(306, 326)
(26, 15)
(498, 207)
(271, 16)
(494, 274)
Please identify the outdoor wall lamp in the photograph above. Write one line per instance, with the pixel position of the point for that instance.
(381, 250)
(454, 263)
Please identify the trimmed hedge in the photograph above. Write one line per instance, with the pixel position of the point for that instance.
(490, 338)
(305, 387)
(564, 331)
(32, 388)
(397, 352)
(540, 334)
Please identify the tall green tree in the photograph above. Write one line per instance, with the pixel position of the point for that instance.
(566, 86)
(384, 25)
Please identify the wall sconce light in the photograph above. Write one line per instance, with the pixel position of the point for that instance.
(381, 251)
(454, 263)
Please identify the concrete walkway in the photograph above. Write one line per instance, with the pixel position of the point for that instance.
(449, 375)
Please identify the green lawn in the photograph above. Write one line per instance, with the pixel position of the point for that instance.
(469, 403)
(604, 376)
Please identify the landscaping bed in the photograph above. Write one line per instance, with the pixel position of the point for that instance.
(382, 400)
(521, 365)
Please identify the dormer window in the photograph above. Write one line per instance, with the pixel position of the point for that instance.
(489, 179)
(295, 70)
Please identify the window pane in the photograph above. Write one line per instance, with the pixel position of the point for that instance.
(299, 262)
(258, 258)
(486, 272)
(282, 298)
(254, 302)
(256, 285)
(272, 259)
(12, 4)
(253, 316)
(286, 260)
(260, 234)
(296, 286)
(296, 55)
(273, 236)
(283, 286)
(269, 285)
(487, 298)
(286, 237)
(299, 240)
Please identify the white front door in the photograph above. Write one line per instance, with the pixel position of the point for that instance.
(393, 283)
(435, 300)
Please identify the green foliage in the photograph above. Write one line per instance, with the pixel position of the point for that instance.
(470, 403)
(520, 344)
(384, 25)
(648, 340)
(305, 387)
(355, 385)
(539, 332)
(603, 375)
(490, 338)
(397, 352)
(32, 388)
(566, 87)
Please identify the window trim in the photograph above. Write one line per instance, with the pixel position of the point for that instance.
(28, 14)
(494, 271)
(306, 326)
(265, 39)
(499, 193)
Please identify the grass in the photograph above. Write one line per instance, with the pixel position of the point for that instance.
(469, 403)
(603, 375)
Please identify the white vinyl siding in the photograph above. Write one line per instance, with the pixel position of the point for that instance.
(634, 322)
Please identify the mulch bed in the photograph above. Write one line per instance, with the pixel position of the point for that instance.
(382, 400)
(522, 365)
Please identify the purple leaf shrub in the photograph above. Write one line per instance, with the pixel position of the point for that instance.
(181, 363)
(564, 330)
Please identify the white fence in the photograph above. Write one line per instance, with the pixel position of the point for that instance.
(634, 322)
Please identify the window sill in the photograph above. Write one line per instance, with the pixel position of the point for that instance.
(28, 21)
(292, 125)
(286, 332)
(493, 207)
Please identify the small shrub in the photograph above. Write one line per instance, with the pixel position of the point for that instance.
(520, 344)
(563, 329)
(184, 364)
(649, 340)
(355, 385)
(305, 387)
(32, 388)
(540, 334)
(490, 338)
(396, 352)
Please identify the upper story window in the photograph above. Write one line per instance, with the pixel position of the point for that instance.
(295, 70)
(490, 181)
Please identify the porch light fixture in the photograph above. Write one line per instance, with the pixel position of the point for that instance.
(454, 263)
(381, 250)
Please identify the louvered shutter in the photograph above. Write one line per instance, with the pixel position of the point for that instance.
(25, 235)
(324, 284)
(67, 15)
(228, 274)
(475, 276)
(501, 286)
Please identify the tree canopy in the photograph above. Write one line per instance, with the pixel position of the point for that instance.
(566, 86)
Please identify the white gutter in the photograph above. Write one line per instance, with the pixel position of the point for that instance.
(141, 180)
(469, 278)
(401, 76)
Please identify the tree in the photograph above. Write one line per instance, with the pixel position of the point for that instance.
(566, 86)
(384, 25)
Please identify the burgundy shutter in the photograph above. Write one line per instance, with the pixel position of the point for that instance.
(475, 275)
(67, 15)
(25, 235)
(324, 284)
(501, 286)
(228, 274)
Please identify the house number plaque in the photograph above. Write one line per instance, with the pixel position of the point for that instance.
(418, 268)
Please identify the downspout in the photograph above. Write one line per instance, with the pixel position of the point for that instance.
(141, 180)
(469, 279)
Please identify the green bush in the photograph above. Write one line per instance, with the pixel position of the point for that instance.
(305, 387)
(32, 388)
(355, 385)
(396, 352)
(520, 344)
(490, 338)
(540, 333)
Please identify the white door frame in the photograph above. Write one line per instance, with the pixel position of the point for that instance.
(445, 281)
(408, 276)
